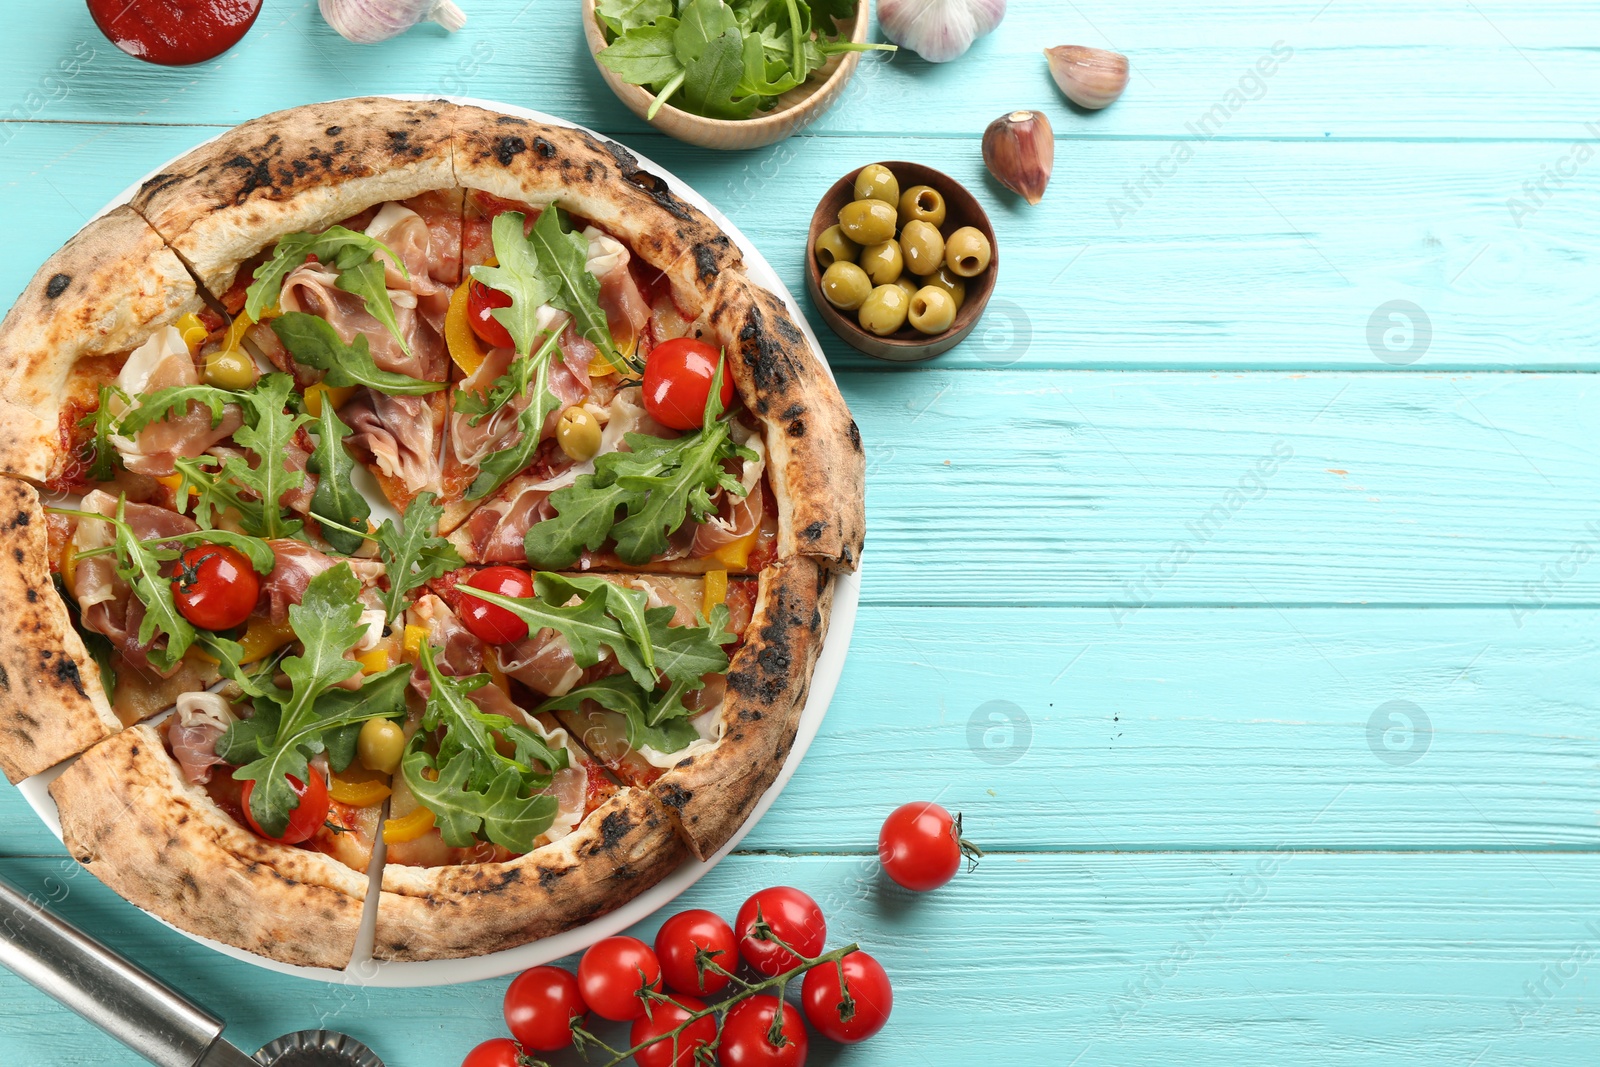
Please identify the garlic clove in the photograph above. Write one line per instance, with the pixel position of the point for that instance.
(371, 21)
(1091, 77)
(939, 30)
(1020, 151)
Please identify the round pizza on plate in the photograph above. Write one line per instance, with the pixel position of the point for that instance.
(409, 472)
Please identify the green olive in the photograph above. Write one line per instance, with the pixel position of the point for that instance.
(909, 284)
(380, 745)
(834, 247)
(867, 222)
(967, 253)
(923, 204)
(845, 286)
(953, 284)
(878, 182)
(932, 310)
(883, 262)
(923, 246)
(578, 433)
(230, 369)
(885, 309)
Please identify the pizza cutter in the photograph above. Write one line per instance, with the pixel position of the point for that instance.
(138, 1009)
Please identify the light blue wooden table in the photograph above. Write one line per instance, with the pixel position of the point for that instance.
(1240, 583)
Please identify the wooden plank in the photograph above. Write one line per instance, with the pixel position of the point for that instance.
(1354, 69)
(1276, 957)
(1238, 261)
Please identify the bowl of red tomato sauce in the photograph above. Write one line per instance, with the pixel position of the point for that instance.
(174, 33)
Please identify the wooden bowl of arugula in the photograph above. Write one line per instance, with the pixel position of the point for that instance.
(727, 74)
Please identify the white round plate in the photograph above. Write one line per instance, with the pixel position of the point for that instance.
(363, 970)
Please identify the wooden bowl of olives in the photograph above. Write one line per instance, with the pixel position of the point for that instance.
(901, 261)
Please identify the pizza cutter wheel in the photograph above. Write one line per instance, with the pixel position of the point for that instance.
(138, 1009)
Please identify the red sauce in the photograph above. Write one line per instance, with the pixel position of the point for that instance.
(76, 447)
(174, 33)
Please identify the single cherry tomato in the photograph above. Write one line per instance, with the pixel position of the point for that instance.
(174, 33)
(215, 587)
(869, 1000)
(677, 381)
(490, 622)
(665, 1018)
(921, 846)
(499, 1052)
(481, 302)
(609, 977)
(307, 817)
(747, 1035)
(541, 1005)
(678, 943)
(793, 917)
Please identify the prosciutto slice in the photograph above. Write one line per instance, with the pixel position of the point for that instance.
(164, 362)
(736, 517)
(627, 311)
(200, 720)
(106, 601)
(397, 435)
(543, 662)
(295, 563)
(457, 653)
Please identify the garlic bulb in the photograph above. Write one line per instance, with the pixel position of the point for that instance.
(939, 30)
(1091, 77)
(371, 21)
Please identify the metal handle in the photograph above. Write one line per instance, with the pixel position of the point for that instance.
(130, 1005)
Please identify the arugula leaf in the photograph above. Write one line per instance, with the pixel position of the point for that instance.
(104, 459)
(497, 468)
(314, 342)
(625, 605)
(564, 258)
(327, 622)
(341, 249)
(336, 494)
(623, 15)
(711, 83)
(215, 494)
(268, 431)
(229, 655)
(520, 275)
(414, 554)
(476, 787)
(173, 400)
(515, 382)
(700, 23)
(647, 56)
(585, 512)
(680, 653)
(659, 721)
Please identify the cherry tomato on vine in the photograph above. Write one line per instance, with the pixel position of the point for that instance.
(677, 381)
(746, 1035)
(609, 977)
(307, 817)
(921, 846)
(793, 917)
(490, 622)
(870, 998)
(481, 302)
(540, 1007)
(500, 1052)
(680, 939)
(215, 587)
(665, 1018)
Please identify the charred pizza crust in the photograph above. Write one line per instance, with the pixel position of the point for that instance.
(622, 848)
(129, 817)
(107, 290)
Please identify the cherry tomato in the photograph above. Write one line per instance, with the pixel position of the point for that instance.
(793, 917)
(678, 943)
(665, 1018)
(481, 301)
(746, 1035)
(215, 587)
(540, 1007)
(871, 998)
(921, 846)
(490, 622)
(307, 817)
(677, 380)
(608, 976)
(500, 1052)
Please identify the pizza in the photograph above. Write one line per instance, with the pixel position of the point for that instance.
(411, 501)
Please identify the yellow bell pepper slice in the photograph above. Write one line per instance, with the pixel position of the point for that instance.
(261, 639)
(411, 642)
(192, 330)
(458, 335)
(736, 554)
(69, 565)
(407, 828)
(358, 794)
(496, 675)
(335, 394)
(374, 661)
(716, 591)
